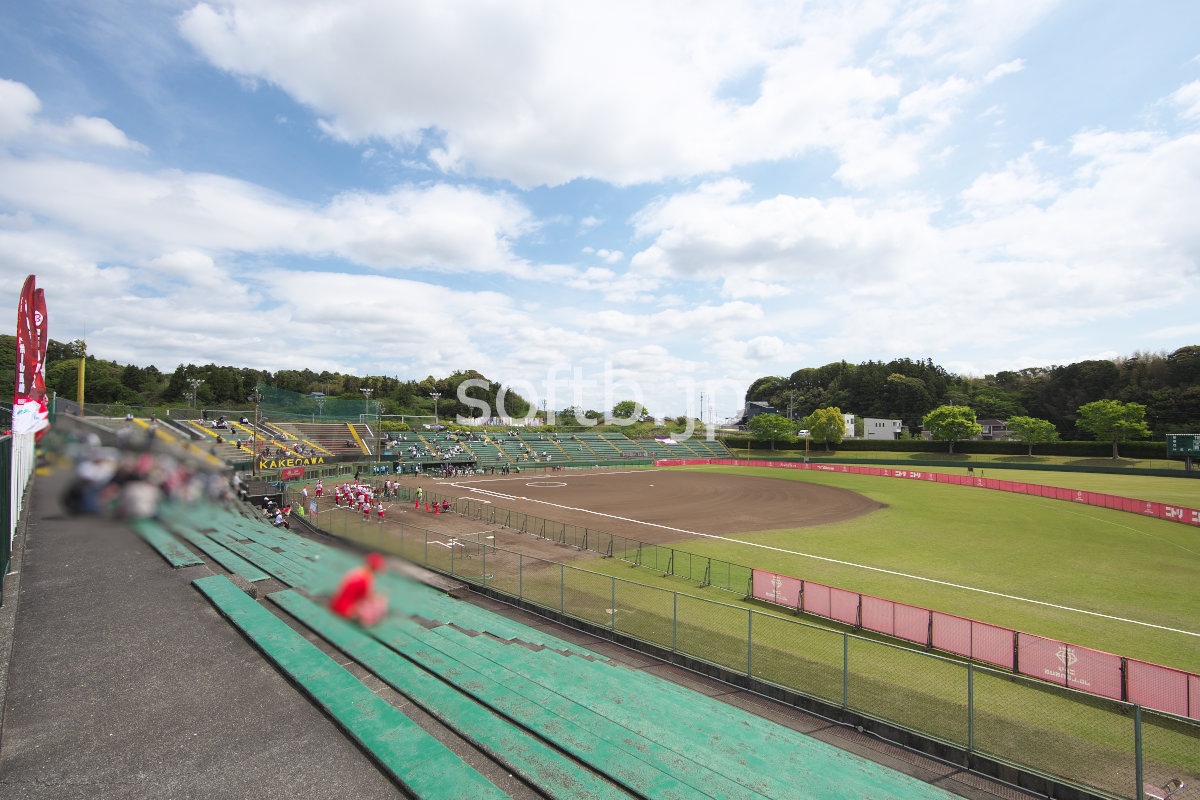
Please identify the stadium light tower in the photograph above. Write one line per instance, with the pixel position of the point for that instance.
(435, 396)
(366, 400)
(320, 407)
(194, 382)
(255, 398)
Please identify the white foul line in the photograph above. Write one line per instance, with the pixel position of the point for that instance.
(850, 564)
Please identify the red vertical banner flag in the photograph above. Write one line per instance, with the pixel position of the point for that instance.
(30, 414)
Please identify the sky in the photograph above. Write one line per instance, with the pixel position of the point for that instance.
(598, 201)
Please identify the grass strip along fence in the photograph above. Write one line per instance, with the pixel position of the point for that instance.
(1103, 746)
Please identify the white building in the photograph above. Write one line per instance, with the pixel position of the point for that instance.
(881, 428)
(848, 419)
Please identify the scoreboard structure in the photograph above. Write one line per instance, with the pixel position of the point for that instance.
(1183, 444)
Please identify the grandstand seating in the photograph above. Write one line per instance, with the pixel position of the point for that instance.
(488, 449)
(334, 438)
(514, 447)
(563, 718)
(595, 446)
(624, 445)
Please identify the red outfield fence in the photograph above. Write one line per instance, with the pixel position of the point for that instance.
(1082, 668)
(1149, 508)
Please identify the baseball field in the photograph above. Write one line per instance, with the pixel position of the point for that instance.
(1093, 577)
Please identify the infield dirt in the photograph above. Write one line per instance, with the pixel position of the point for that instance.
(649, 505)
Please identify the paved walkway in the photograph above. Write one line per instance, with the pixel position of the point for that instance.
(110, 696)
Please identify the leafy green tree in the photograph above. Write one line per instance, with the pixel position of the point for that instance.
(1114, 420)
(1030, 431)
(952, 424)
(763, 388)
(1183, 366)
(629, 410)
(58, 351)
(825, 425)
(773, 428)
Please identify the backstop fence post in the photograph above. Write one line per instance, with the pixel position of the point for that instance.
(970, 709)
(845, 670)
(749, 643)
(674, 621)
(1138, 777)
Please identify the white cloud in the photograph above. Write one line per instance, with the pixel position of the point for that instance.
(18, 107)
(741, 288)
(1007, 68)
(541, 93)
(437, 227)
(89, 132)
(709, 233)
(1035, 250)
(1187, 97)
(1020, 183)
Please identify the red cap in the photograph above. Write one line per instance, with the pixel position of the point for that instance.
(375, 562)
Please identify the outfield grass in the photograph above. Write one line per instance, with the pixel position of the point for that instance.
(1184, 491)
(1094, 559)
(902, 458)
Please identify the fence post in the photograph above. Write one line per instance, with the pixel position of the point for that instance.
(845, 670)
(562, 587)
(1137, 750)
(614, 603)
(970, 708)
(749, 643)
(674, 622)
(520, 576)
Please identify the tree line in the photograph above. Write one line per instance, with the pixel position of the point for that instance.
(226, 387)
(1168, 385)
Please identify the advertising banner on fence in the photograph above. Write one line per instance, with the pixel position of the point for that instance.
(29, 412)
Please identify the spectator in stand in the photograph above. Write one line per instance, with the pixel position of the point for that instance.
(356, 597)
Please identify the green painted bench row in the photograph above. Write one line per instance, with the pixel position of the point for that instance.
(414, 758)
(643, 766)
(167, 545)
(760, 757)
(222, 555)
(524, 754)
